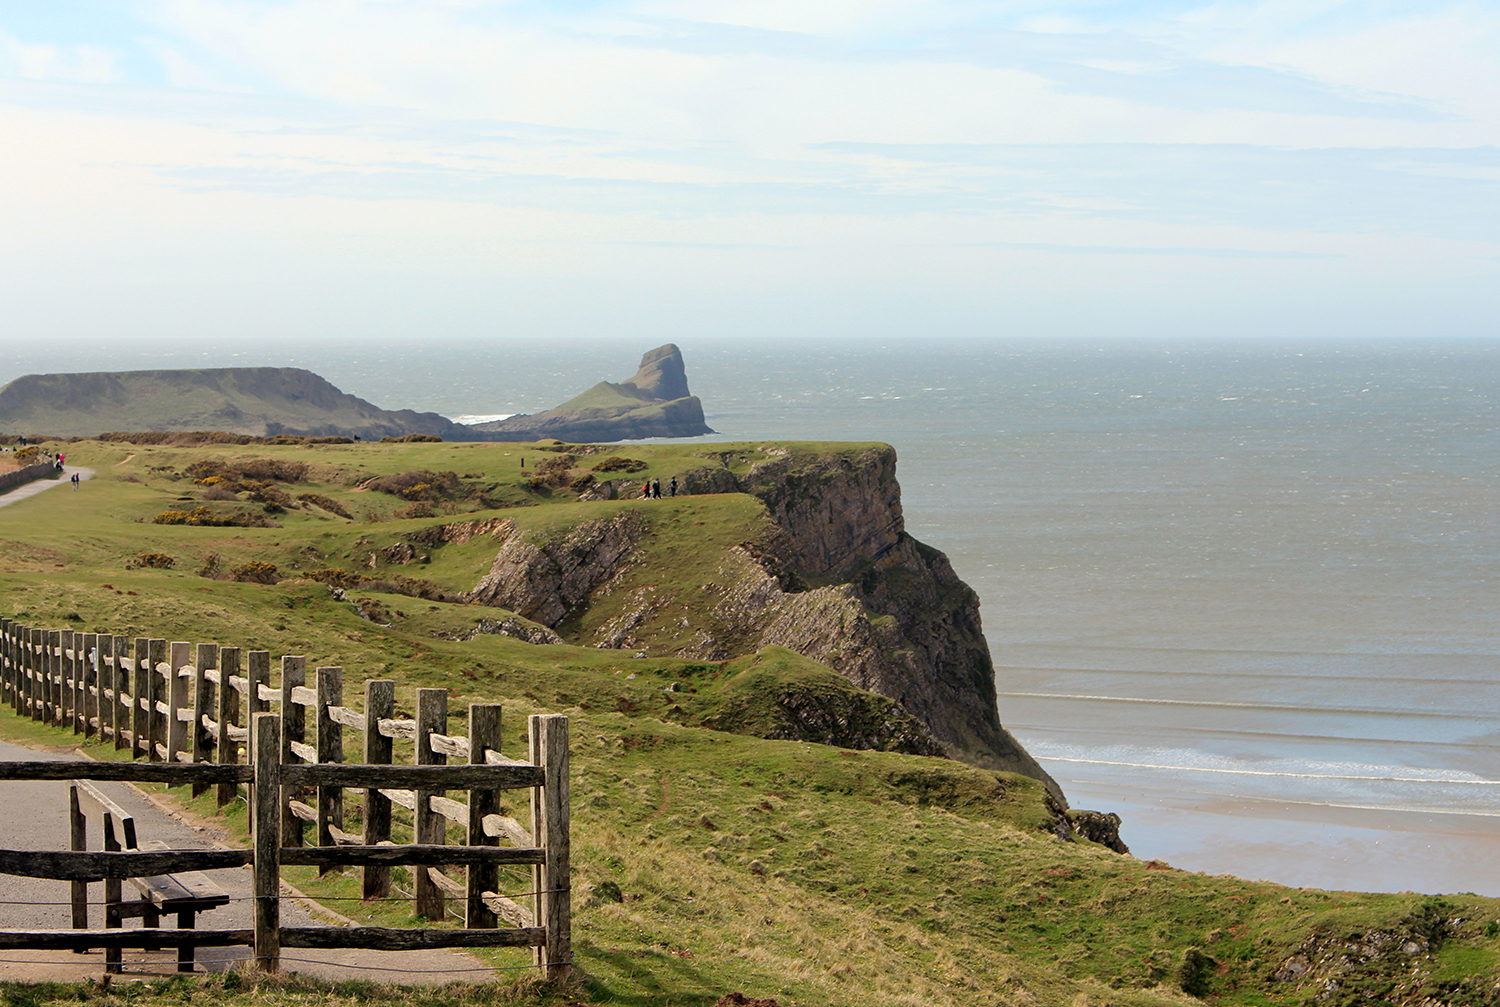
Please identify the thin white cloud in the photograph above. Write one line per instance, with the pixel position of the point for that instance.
(80, 64)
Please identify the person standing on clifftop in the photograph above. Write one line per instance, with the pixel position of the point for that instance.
(672, 487)
(656, 489)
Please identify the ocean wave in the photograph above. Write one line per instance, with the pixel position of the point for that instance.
(470, 419)
(1273, 707)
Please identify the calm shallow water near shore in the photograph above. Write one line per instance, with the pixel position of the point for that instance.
(1242, 594)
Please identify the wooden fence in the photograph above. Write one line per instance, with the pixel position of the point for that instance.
(199, 721)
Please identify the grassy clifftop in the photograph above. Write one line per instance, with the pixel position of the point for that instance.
(715, 847)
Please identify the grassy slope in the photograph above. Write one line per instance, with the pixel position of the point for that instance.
(785, 869)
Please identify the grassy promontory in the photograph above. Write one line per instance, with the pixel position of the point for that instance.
(715, 849)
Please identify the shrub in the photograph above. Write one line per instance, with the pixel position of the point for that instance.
(220, 492)
(324, 503)
(216, 471)
(418, 485)
(413, 439)
(150, 561)
(28, 455)
(582, 483)
(617, 463)
(213, 566)
(255, 572)
(204, 518)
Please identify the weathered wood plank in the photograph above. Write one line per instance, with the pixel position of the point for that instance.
(413, 777)
(513, 913)
(447, 744)
(500, 825)
(400, 729)
(484, 734)
(265, 836)
(380, 700)
(150, 937)
(423, 855)
(548, 737)
(385, 939)
(147, 772)
(346, 717)
(62, 865)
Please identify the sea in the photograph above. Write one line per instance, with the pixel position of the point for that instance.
(1243, 594)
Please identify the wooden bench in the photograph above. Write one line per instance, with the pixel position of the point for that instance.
(185, 893)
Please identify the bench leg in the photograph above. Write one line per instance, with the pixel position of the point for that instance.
(186, 920)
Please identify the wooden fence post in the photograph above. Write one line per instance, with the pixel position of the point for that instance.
(206, 658)
(92, 691)
(330, 688)
(67, 680)
(548, 736)
(179, 701)
(226, 749)
(257, 675)
(484, 735)
(52, 675)
(78, 834)
(109, 689)
(140, 701)
(6, 693)
(293, 728)
(266, 752)
(429, 826)
(380, 704)
(156, 700)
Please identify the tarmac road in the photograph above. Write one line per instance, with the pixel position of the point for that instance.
(34, 816)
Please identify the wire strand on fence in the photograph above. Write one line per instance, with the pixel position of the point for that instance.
(342, 965)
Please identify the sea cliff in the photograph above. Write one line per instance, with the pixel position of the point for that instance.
(832, 575)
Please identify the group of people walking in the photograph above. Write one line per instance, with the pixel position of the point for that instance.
(651, 489)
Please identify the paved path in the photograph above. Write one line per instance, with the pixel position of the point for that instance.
(34, 816)
(36, 486)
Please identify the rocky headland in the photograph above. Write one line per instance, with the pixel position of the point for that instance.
(655, 402)
(272, 401)
(827, 570)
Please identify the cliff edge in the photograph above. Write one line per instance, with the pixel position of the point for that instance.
(817, 561)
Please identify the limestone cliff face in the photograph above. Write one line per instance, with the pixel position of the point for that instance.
(836, 579)
(544, 583)
(901, 623)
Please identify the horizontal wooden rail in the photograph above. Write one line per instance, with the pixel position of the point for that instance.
(136, 772)
(463, 777)
(150, 938)
(384, 939)
(63, 865)
(425, 855)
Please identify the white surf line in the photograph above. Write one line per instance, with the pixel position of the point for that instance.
(1279, 707)
(1267, 772)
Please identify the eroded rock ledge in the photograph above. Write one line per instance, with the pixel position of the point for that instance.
(889, 614)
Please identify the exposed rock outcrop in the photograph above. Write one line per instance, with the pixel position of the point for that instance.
(545, 583)
(888, 614)
(654, 403)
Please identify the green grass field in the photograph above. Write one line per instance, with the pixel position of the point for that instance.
(787, 870)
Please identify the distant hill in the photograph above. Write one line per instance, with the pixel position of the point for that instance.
(654, 403)
(260, 401)
(265, 401)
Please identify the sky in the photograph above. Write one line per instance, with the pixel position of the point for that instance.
(347, 171)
